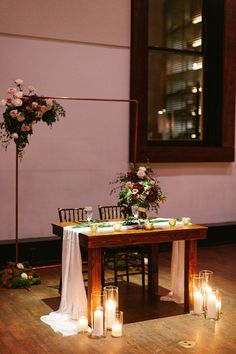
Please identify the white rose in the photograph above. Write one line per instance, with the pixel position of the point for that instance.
(3, 103)
(141, 173)
(24, 276)
(31, 89)
(20, 117)
(17, 102)
(14, 136)
(18, 94)
(34, 104)
(19, 82)
(49, 102)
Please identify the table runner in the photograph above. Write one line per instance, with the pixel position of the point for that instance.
(73, 297)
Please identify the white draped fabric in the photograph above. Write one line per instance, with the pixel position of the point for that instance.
(73, 298)
(177, 273)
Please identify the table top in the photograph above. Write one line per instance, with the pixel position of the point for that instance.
(134, 236)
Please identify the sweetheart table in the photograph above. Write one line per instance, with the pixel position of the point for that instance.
(162, 232)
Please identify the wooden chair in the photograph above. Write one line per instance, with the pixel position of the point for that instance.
(131, 256)
(76, 215)
(71, 214)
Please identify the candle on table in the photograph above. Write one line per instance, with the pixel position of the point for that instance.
(116, 330)
(98, 322)
(110, 313)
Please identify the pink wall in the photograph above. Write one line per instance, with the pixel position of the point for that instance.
(73, 163)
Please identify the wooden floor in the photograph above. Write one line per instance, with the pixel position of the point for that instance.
(22, 332)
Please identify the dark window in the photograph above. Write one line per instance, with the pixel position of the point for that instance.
(183, 74)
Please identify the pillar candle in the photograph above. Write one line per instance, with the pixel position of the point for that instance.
(211, 305)
(98, 323)
(116, 330)
(198, 302)
(110, 313)
(83, 324)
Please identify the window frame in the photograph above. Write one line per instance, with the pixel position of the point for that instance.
(217, 147)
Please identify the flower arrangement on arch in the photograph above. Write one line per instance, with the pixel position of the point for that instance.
(139, 187)
(22, 112)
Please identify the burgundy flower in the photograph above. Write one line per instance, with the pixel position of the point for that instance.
(152, 196)
(132, 176)
(139, 187)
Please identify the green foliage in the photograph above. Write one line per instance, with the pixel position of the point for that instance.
(18, 275)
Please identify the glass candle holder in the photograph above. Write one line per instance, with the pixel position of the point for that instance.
(207, 276)
(172, 222)
(117, 326)
(196, 304)
(98, 303)
(111, 306)
(186, 221)
(83, 320)
(213, 305)
(148, 225)
(117, 226)
(93, 228)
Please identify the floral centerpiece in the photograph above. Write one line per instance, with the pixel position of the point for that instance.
(18, 275)
(22, 112)
(141, 188)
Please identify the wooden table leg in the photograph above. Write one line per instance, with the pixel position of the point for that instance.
(190, 269)
(153, 276)
(94, 275)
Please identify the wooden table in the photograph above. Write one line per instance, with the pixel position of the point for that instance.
(95, 242)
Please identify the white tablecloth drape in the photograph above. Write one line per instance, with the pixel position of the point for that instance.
(73, 297)
(177, 274)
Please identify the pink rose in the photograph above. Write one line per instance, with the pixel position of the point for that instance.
(18, 94)
(13, 113)
(11, 90)
(20, 266)
(17, 102)
(25, 127)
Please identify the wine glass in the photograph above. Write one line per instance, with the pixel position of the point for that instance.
(135, 212)
(89, 213)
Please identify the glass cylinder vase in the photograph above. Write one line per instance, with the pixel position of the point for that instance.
(112, 303)
(213, 305)
(206, 280)
(117, 326)
(196, 304)
(98, 303)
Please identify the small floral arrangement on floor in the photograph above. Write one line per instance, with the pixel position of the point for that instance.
(18, 275)
(139, 187)
(22, 112)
